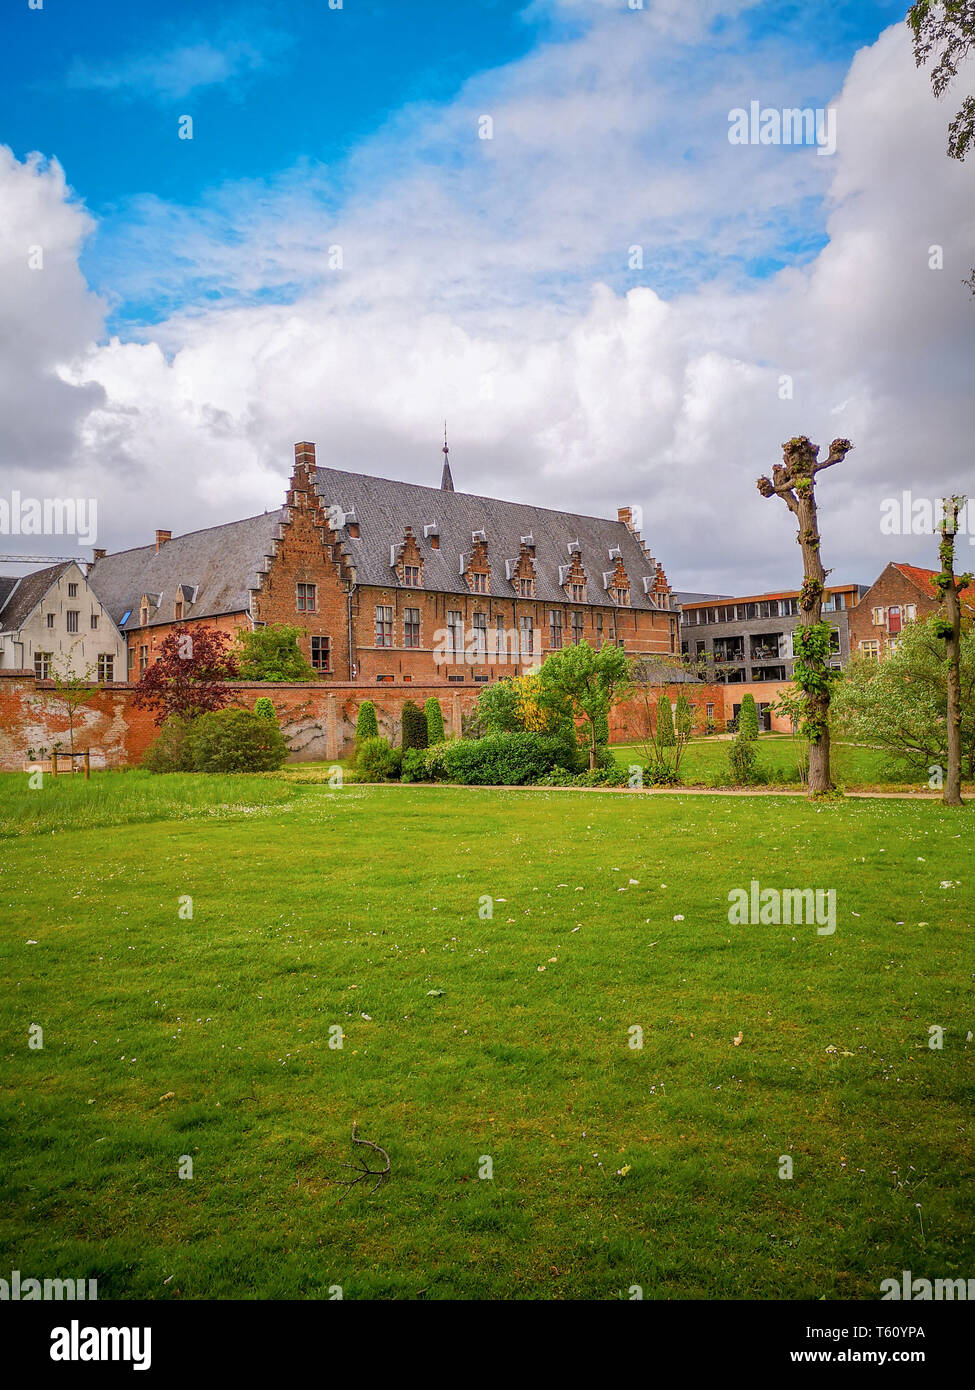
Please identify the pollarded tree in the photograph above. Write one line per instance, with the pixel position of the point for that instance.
(949, 628)
(794, 480)
(189, 676)
(272, 653)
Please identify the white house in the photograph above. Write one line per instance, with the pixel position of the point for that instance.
(53, 621)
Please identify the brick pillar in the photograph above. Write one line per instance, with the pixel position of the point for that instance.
(331, 731)
(456, 725)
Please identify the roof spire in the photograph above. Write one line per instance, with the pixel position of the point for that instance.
(446, 481)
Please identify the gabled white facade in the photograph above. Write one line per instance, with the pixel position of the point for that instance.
(67, 631)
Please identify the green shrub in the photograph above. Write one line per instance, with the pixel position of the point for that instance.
(366, 724)
(376, 761)
(743, 760)
(748, 716)
(236, 740)
(507, 759)
(435, 728)
(265, 708)
(665, 723)
(415, 765)
(272, 653)
(415, 734)
(171, 751)
(660, 775)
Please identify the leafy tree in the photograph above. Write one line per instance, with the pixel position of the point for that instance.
(72, 691)
(683, 718)
(366, 724)
(171, 750)
(515, 705)
(900, 704)
(794, 480)
(748, 716)
(188, 678)
(415, 732)
(435, 728)
(949, 628)
(945, 30)
(588, 682)
(743, 760)
(265, 708)
(272, 654)
(665, 723)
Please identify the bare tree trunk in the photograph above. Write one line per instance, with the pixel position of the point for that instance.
(950, 589)
(794, 480)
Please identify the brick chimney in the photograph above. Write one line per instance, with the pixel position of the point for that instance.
(305, 455)
(624, 514)
(161, 538)
(97, 555)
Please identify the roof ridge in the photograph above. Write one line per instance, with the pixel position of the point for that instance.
(477, 496)
(185, 535)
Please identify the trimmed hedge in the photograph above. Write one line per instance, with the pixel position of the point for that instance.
(366, 724)
(415, 734)
(265, 708)
(435, 728)
(511, 759)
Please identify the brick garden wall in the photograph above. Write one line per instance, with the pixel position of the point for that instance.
(318, 720)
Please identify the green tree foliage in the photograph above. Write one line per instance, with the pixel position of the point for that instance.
(743, 760)
(748, 716)
(272, 654)
(435, 728)
(588, 682)
(265, 708)
(900, 704)
(683, 717)
(366, 724)
(415, 733)
(945, 30)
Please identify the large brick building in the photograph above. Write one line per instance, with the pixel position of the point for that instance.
(393, 582)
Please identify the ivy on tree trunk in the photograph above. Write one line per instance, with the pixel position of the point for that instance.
(794, 480)
(949, 628)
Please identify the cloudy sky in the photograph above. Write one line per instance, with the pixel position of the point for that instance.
(608, 300)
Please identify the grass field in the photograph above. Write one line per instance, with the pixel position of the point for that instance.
(468, 1038)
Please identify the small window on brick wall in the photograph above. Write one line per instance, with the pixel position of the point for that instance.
(411, 576)
(577, 621)
(555, 628)
(478, 583)
(307, 599)
(321, 653)
(384, 626)
(524, 587)
(411, 627)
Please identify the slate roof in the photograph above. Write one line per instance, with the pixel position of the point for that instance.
(384, 508)
(18, 601)
(924, 580)
(221, 563)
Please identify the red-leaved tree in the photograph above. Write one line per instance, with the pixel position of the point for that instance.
(189, 676)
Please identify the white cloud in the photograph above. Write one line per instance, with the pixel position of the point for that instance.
(453, 302)
(177, 71)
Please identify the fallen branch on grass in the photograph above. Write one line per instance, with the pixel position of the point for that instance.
(362, 1169)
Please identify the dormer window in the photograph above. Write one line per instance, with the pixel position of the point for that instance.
(577, 592)
(179, 610)
(144, 615)
(525, 588)
(622, 597)
(411, 576)
(478, 583)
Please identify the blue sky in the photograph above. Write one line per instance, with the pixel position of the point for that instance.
(610, 302)
(275, 88)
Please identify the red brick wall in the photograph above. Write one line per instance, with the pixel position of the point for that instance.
(318, 720)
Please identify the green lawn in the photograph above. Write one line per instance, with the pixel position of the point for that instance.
(705, 763)
(360, 908)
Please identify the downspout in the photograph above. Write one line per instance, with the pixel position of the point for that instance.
(351, 590)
